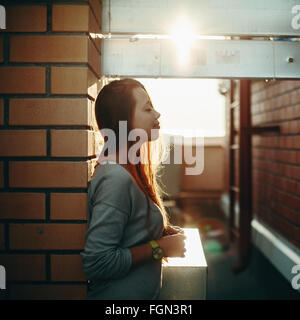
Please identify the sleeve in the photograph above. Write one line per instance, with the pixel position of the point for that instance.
(102, 256)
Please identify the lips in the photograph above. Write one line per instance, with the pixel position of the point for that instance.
(156, 126)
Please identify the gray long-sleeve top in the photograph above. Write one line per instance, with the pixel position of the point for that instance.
(116, 221)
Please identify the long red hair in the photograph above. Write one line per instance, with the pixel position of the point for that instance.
(115, 102)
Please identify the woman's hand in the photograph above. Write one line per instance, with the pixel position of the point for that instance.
(172, 230)
(173, 245)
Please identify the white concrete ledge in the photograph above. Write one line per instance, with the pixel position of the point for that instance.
(186, 278)
(282, 254)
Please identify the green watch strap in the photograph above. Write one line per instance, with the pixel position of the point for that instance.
(154, 244)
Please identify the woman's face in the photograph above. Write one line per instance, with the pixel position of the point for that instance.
(145, 117)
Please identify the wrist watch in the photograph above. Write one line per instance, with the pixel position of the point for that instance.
(157, 251)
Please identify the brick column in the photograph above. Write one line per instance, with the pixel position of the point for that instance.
(50, 75)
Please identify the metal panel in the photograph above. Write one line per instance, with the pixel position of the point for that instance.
(220, 58)
(208, 59)
(287, 59)
(122, 57)
(214, 17)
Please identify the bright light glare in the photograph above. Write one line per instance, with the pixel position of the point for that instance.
(188, 104)
(194, 255)
(184, 37)
(182, 34)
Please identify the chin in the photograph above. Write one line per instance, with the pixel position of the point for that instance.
(155, 134)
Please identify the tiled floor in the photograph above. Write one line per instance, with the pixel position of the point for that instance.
(259, 281)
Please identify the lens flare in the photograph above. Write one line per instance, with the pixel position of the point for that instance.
(183, 37)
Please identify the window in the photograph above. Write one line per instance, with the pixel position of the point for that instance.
(188, 106)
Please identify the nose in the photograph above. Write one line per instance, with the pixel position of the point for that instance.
(157, 115)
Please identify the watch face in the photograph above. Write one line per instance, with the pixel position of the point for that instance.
(158, 253)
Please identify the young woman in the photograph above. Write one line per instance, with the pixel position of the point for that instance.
(128, 231)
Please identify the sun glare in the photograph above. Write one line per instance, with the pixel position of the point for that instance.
(183, 36)
(188, 106)
(194, 256)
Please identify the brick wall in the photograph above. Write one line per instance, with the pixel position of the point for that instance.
(276, 157)
(50, 75)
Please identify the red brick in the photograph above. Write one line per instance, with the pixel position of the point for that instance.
(68, 206)
(278, 186)
(295, 96)
(26, 18)
(67, 267)
(22, 80)
(257, 85)
(47, 292)
(297, 111)
(72, 143)
(22, 205)
(286, 99)
(49, 49)
(94, 59)
(297, 157)
(48, 174)
(285, 228)
(296, 142)
(47, 236)
(50, 112)
(96, 6)
(79, 80)
(70, 18)
(16, 143)
(24, 267)
(95, 31)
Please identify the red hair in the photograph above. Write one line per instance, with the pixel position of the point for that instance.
(115, 102)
